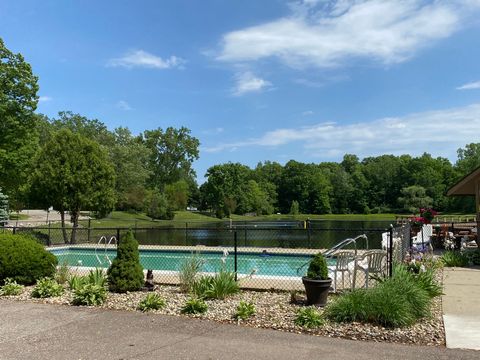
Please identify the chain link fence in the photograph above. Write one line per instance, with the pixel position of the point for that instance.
(262, 255)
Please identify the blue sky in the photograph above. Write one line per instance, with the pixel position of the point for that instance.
(262, 80)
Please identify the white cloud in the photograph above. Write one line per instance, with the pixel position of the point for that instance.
(123, 105)
(214, 131)
(43, 99)
(247, 82)
(327, 33)
(307, 113)
(140, 58)
(470, 86)
(439, 132)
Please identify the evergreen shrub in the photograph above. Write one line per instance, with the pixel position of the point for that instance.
(126, 272)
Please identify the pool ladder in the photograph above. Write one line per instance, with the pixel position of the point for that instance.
(330, 252)
(103, 239)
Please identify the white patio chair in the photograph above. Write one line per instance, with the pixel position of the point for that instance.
(345, 263)
(373, 262)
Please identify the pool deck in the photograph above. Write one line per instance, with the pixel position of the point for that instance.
(461, 307)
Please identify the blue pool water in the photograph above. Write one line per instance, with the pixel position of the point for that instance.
(260, 264)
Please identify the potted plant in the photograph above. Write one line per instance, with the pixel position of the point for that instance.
(317, 283)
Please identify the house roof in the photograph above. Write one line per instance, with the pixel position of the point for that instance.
(466, 185)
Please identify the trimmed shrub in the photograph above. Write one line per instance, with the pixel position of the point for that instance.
(46, 288)
(126, 272)
(318, 268)
(24, 260)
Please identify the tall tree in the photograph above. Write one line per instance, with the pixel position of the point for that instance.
(73, 173)
(18, 140)
(172, 154)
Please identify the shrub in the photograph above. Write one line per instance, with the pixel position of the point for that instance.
(245, 310)
(454, 259)
(90, 295)
(216, 287)
(309, 318)
(24, 260)
(189, 272)
(46, 288)
(151, 302)
(474, 257)
(194, 306)
(10, 288)
(126, 273)
(318, 268)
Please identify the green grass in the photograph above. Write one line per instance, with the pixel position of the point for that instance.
(14, 216)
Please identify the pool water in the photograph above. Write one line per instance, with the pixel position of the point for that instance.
(259, 264)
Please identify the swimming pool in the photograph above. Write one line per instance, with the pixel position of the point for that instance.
(169, 260)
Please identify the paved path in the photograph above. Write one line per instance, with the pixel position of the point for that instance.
(35, 331)
(461, 307)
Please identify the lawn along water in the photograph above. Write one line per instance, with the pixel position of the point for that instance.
(262, 263)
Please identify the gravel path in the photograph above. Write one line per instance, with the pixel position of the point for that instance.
(274, 311)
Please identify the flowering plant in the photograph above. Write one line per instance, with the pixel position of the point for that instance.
(426, 217)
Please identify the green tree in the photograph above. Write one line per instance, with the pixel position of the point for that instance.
(294, 208)
(157, 206)
(257, 199)
(18, 137)
(172, 153)
(73, 173)
(413, 198)
(177, 194)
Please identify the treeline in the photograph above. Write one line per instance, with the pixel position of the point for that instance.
(74, 163)
(387, 183)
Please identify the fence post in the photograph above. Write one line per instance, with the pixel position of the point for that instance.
(245, 227)
(49, 243)
(309, 234)
(14, 230)
(235, 253)
(390, 251)
(186, 233)
(118, 236)
(88, 231)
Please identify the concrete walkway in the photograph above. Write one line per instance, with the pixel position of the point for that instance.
(461, 307)
(35, 331)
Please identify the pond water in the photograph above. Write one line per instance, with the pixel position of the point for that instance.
(283, 234)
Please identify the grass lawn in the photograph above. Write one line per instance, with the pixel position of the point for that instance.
(125, 219)
(14, 216)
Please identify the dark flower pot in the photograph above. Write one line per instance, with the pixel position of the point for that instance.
(317, 290)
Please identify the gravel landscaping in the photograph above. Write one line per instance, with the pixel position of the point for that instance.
(273, 311)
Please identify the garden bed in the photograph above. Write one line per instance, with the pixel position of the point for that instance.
(273, 311)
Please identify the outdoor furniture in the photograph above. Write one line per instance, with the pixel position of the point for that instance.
(373, 262)
(345, 263)
(423, 237)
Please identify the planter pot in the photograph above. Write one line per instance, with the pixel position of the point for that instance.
(317, 290)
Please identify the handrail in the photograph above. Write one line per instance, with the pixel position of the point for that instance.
(329, 253)
(104, 238)
(109, 242)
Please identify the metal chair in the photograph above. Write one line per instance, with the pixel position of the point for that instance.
(373, 262)
(345, 263)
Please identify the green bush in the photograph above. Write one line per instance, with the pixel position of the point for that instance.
(10, 288)
(245, 310)
(474, 256)
(76, 282)
(24, 260)
(46, 288)
(219, 286)
(309, 318)
(194, 306)
(395, 302)
(97, 277)
(126, 272)
(89, 295)
(151, 302)
(454, 259)
(318, 268)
